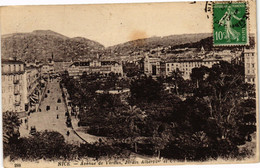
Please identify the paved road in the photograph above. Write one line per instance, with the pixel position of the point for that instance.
(47, 120)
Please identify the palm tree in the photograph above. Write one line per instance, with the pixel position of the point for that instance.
(134, 115)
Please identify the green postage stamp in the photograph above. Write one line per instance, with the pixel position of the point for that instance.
(230, 24)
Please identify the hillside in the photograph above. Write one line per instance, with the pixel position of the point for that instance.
(41, 44)
(172, 43)
(153, 42)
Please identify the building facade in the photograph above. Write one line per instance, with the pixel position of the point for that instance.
(186, 66)
(152, 66)
(34, 89)
(250, 65)
(14, 87)
(101, 67)
(48, 68)
(21, 86)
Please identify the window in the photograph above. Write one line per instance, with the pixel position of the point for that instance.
(10, 99)
(253, 65)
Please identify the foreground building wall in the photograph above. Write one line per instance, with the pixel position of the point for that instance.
(14, 90)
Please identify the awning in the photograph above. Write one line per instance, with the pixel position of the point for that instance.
(32, 99)
(35, 95)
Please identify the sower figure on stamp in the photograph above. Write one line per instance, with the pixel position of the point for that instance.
(227, 21)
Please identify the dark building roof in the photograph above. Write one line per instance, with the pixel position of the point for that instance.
(87, 63)
(80, 64)
(7, 61)
(192, 60)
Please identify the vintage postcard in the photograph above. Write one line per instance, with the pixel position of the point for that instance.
(129, 84)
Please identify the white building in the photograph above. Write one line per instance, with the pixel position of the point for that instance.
(186, 66)
(250, 65)
(14, 87)
(152, 66)
(102, 67)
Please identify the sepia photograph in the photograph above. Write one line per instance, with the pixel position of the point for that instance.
(134, 84)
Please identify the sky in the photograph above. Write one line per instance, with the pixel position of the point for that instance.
(109, 24)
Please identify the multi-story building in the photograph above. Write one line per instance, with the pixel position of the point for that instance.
(152, 66)
(249, 59)
(48, 68)
(33, 78)
(186, 66)
(103, 67)
(14, 87)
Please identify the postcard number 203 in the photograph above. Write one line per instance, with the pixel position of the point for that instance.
(17, 165)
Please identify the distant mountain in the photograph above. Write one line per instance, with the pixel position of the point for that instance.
(153, 42)
(42, 44)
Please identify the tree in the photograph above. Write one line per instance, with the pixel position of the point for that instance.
(11, 125)
(198, 75)
(134, 116)
(42, 145)
(217, 119)
(160, 139)
(222, 94)
(177, 79)
(145, 89)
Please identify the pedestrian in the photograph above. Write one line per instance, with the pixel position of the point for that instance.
(68, 133)
(57, 116)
